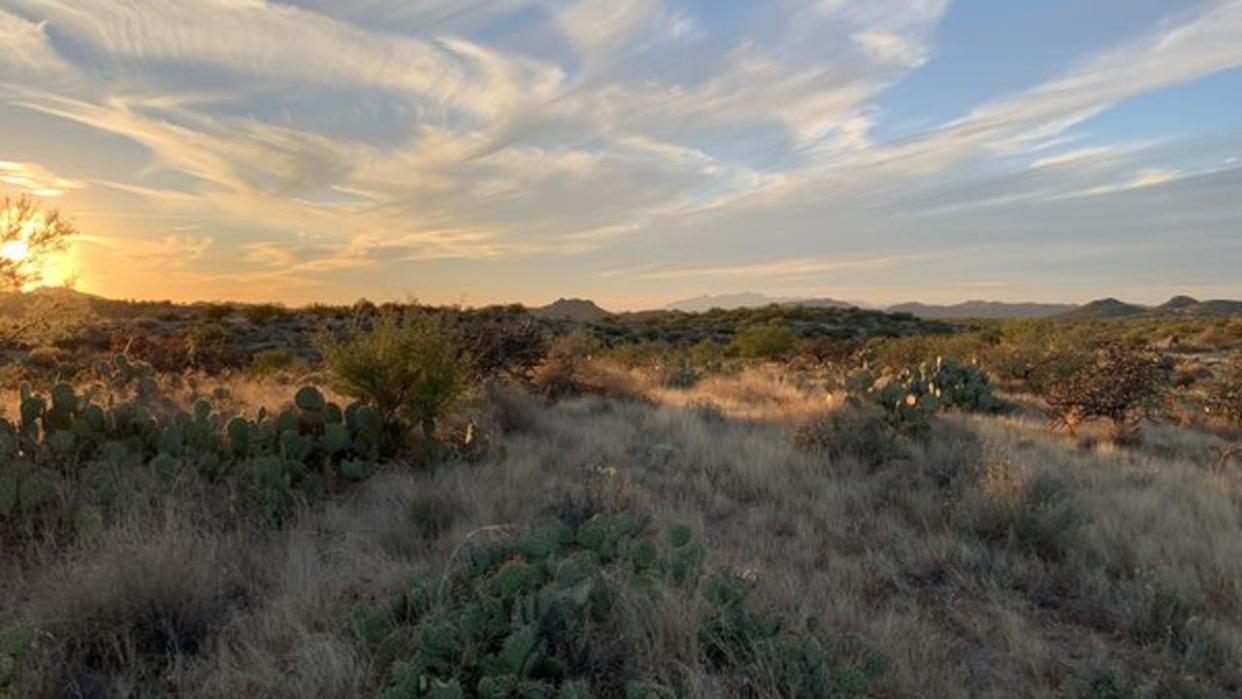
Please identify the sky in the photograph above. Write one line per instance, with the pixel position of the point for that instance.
(631, 151)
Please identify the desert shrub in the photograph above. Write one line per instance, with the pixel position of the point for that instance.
(707, 354)
(505, 348)
(767, 341)
(45, 358)
(643, 354)
(562, 372)
(1117, 383)
(557, 612)
(265, 313)
(275, 361)
(209, 347)
(898, 353)
(216, 312)
(409, 367)
(829, 351)
(852, 431)
(1223, 394)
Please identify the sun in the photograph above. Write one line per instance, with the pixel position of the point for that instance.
(14, 250)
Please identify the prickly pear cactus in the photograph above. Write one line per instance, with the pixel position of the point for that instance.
(309, 398)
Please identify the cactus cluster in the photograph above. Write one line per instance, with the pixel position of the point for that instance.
(910, 397)
(521, 618)
(277, 458)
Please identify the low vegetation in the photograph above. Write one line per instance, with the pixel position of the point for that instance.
(399, 501)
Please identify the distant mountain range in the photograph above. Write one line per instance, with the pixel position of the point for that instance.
(1102, 308)
(1176, 306)
(748, 299)
(982, 309)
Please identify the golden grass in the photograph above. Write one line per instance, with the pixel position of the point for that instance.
(994, 560)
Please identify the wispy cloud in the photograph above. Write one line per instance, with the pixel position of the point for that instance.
(617, 139)
(787, 269)
(35, 179)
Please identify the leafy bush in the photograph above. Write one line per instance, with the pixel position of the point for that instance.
(1116, 383)
(409, 367)
(543, 615)
(769, 341)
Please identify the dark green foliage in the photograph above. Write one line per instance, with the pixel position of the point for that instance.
(538, 616)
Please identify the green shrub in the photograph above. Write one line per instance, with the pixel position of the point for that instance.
(769, 341)
(409, 367)
(540, 615)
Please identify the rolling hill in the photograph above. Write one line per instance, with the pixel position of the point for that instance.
(580, 310)
(982, 309)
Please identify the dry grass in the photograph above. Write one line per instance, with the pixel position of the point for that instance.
(994, 560)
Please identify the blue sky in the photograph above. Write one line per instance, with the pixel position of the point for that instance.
(632, 151)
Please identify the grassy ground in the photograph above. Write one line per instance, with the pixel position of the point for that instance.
(993, 559)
